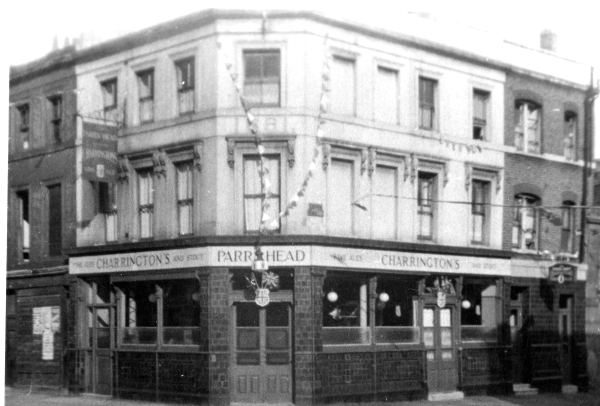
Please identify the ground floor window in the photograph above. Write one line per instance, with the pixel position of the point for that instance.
(348, 310)
(396, 310)
(480, 307)
(159, 313)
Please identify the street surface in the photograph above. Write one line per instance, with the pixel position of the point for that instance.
(22, 397)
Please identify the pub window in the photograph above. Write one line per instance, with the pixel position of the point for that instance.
(480, 114)
(107, 206)
(427, 103)
(23, 201)
(262, 77)
(56, 112)
(525, 222)
(480, 211)
(254, 193)
(109, 99)
(396, 310)
(480, 305)
(54, 220)
(146, 202)
(160, 313)
(426, 197)
(24, 119)
(568, 227)
(528, 117)
(185, 84)
(145, 81)
(345, 310)
(570, 135)
(185, 197)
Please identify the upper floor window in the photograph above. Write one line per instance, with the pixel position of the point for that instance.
(145, 81)
(109, 99)
(340, 195)
(23, 201)
(386, 95)
(24, 124)
(427, 103)
(185, 84)
(54, 220)
(426, 197)
(343, 86)
(185, 197)
(146, 202)
(525, 222)
(480, 114)
(480, 211)
(570, 135)
(385, 202)
(56, 112)
(528, 127)
(568, 227)
(107, 205)
(254, 192)
(262, 77)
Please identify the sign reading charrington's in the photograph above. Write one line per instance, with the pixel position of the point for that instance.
(289, 255)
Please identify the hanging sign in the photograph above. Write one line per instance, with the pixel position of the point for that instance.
(99, 156)
(441, 300)
(262, 297)
(562, 273)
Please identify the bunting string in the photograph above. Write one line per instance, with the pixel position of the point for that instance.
(323, 109)
(267, 223)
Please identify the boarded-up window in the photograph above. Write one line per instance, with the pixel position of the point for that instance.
(54, 220)
(385, 203)
(386, 95)
(343, 86)
(340, 191)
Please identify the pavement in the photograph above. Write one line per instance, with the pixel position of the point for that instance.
(24, 397)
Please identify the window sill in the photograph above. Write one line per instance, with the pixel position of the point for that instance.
(155, 348)
(341, 348)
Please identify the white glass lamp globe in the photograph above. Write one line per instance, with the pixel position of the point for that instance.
(332, 297)
(466, 304)
(384, 297)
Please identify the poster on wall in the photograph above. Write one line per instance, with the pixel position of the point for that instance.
(46, 318)
(46, 322)
(48, 346)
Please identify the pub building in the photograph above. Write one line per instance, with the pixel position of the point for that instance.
(409, 252)
(316, 323)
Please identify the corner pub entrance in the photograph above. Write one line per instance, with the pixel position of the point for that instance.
(323, 324)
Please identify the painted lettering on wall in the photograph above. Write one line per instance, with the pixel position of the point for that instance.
(244, 256)
(140, 260)
(420, 262)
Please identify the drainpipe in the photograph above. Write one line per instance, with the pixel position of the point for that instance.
(588, 133)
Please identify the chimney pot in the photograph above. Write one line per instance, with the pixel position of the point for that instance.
(548, 40)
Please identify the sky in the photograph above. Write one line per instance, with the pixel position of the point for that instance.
(30, 26)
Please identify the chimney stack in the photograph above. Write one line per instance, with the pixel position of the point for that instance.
(548, 40)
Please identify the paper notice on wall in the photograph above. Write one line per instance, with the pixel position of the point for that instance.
(48, 345)
(46, 318)
(38, 327)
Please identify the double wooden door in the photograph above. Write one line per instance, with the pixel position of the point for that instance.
(439, 337)
(262, 359)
